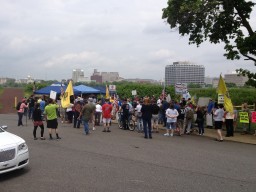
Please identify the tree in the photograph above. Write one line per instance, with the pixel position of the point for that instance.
(216, 21)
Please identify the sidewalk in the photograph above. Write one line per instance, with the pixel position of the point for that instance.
(249, 139)
(211, 133)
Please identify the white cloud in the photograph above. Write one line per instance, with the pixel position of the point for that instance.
(49, 38)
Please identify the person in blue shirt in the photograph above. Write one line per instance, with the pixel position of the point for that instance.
(209, 115)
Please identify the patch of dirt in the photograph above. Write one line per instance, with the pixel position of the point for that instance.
(7, 99)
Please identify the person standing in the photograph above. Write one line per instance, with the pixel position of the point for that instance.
(200, 119)
(37, 121)
(209, 115)
(245, 126)
(42, 104)
(146, 110)
(229, 122)
(21, 110)
(155, 111)
(189, 116)
(50, 113)
(180, 118)
(171, 114)
(87, 114)
(165, 106)
(125, 116)
(218, 115)
(77, 110)
(31, 106)
(106, 114)
(91, 101)
(98, 113)
(138, 114)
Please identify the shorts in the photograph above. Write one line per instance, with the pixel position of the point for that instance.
(155, 119)
(171, 125)
(218, 124)
(106, 120)
(38, 123)
(52, 124)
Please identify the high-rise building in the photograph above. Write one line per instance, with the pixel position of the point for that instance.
(78, 76)
(234, 78)
(184, 72)
(105, 76)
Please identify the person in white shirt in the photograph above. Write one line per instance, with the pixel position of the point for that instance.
(98, 113)
(139, 116)
(171, 114)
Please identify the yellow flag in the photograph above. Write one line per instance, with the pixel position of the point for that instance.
(222, 89)
(107, 92)
(65, 99)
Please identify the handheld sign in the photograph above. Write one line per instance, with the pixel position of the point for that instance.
(253, 116)
(53, 95)
(244, 118)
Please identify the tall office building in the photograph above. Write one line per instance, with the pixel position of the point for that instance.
(78, 76)
(234, 78)
(184, 72)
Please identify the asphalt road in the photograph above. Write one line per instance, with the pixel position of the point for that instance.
(125, 161)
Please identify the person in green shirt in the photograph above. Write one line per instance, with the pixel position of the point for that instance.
(50, 113)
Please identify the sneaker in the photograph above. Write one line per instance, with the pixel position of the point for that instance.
(42, 138)
(93, 128)
(104, 130)
(35, 138)
(171, 134)
(166, 134)
(108, 130)
(58, 138)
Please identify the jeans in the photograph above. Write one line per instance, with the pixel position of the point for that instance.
(139, 124)
(187, 125)
(30, 112)
(97, 118)
(86, 127)
(201, 127)
(147, 128)
(20, 115)
(76, 121)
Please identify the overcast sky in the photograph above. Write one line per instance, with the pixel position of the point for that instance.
(47, 39)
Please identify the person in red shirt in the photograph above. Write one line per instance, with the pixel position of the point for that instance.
(106, 115)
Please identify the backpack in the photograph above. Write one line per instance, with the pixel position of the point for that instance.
(18, 106)
(190, 114)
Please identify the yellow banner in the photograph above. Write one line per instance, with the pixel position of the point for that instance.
(223, 91)
(65, 99)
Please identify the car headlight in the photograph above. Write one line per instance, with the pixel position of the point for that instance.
(22, 146)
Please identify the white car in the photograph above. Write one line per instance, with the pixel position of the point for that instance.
(13, 151)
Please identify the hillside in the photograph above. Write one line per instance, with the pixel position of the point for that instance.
(7, 99)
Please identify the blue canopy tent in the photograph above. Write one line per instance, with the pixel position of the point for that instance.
(102, 89)
(83, 89)
(54, 87)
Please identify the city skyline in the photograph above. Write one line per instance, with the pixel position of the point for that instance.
(48, 39)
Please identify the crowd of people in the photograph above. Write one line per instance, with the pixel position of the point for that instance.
(178, 117)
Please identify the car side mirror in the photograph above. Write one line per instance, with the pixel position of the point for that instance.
(4, 127)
